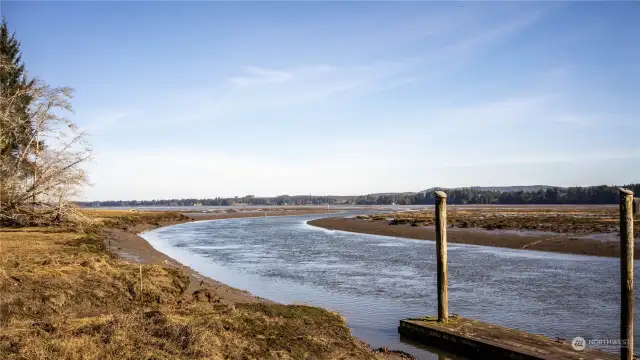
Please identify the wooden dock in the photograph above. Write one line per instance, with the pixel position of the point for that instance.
(485, 341)
(479, 340)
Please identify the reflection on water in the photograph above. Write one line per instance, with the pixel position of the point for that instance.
(374, 281)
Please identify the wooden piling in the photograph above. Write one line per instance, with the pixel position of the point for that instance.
(626, 274)
(441, 251)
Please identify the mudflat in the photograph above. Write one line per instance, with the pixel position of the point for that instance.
(583, 230)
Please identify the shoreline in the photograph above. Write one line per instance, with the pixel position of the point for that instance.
(128, 245)
(556, 242)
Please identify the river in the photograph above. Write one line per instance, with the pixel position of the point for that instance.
(374, 281)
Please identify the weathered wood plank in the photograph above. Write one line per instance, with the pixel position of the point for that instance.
(481, 340)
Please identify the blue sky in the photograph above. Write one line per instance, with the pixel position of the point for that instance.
(204, 99)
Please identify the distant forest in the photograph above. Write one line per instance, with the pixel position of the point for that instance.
(539, 194)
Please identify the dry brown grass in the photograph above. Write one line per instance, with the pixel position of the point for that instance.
(64, 297)
(106, 213)
(123, 218)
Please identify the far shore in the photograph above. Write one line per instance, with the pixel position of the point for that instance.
(551, 242)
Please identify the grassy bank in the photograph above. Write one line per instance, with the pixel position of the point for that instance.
(567, 220)
(65, 296)
(583, 230)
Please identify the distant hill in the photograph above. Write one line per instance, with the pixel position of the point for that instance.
(500, 188)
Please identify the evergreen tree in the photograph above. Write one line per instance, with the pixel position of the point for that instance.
(17, 130)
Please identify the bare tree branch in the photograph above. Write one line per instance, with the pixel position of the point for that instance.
(44, 174)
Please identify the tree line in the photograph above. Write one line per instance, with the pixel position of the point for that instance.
(602, 194)
(218, 201)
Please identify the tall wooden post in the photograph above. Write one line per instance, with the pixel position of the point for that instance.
(441, 251)
(626, 273)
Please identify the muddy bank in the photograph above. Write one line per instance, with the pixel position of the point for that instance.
(553, 242)
(134, 248)
(125, 242)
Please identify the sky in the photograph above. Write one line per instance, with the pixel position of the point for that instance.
(206, 99)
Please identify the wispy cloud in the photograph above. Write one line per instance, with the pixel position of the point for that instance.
(495, 34)
(258, 76)
(263, 89)
(255, 89)
(255, 75)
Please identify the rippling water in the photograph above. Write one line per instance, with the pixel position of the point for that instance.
(374, 281)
